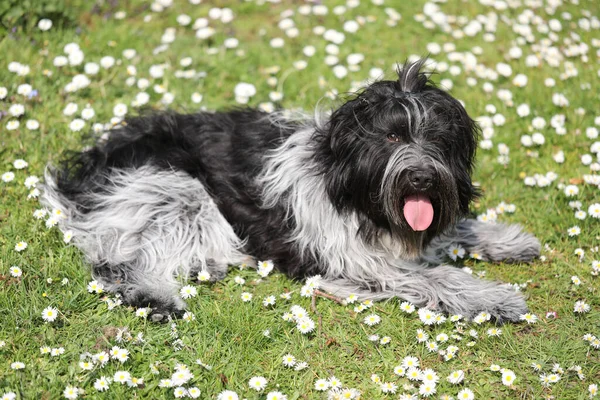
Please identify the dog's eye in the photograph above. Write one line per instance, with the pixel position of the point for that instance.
(392, 137)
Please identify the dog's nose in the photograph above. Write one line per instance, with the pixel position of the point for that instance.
(422, 179)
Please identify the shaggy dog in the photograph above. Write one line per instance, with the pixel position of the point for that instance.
(370, 199)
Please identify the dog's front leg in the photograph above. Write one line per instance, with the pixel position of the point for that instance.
(443, 288)
(491, 241)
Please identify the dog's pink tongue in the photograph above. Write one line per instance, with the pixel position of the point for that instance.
(418, 212)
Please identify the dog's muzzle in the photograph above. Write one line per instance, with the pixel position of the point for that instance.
(418, 210)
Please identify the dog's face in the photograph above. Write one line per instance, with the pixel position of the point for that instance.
(400, 154)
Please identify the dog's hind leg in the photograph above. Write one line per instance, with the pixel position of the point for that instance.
(491, 241)
(146, 230)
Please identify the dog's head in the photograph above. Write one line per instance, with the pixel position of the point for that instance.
(400, 154)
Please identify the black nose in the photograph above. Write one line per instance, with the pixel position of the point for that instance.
(422, 179)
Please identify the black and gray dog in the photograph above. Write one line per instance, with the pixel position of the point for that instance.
(369, 198)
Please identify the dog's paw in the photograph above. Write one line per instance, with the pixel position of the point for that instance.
(217, 274)
(528, 250)
(162, 305)
(499, 301)
(510, 310)
(504, 305)
(165, 313)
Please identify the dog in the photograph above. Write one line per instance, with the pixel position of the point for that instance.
(369, 198)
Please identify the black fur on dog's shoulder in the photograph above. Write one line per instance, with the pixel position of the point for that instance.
(223, 150)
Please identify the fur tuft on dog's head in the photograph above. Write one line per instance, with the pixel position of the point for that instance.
(411, 77)
(400, 154)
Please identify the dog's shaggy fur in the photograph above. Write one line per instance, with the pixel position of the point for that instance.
(169, 195)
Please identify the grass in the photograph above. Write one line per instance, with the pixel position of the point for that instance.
(227, 334)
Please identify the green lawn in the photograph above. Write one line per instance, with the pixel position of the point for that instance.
(237, 340)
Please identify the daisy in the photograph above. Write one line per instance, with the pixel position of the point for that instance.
(321, 385)
(305, 325)
(102, 384)
(529, 318)
(257, 383)
(40, 213)
(456, 318)
(71, 392)
(456, 377)
(372, 319)
(536, 366)
(141, 312)
(429, 376)
(289, 360)
(269, 301)
(49, 314)
(166, 383)
(188, 291)
(77, 124)
(20, 164)
(301, 365)
(194, 392)
(407, 307)
(57, 351)
(20, 246)
(264, 268)
(188, 317)
(135, 382)
(442, 337)
(574, 231)
(385, 340)
(508, 377)
(246, 297)
(594, 210)
(455, 252)
(12, 125)
(494, 332)
(581, 307)
(101, 357)
(276, 396)
(17, 365)
(431, 346)
(413, 374)
(410, 362)
(576, 281)
(335, 383)
(427, 389)
(122, 377)
(422, 336)
(426, 316)
(122, 355)
(203, 276)
(389, 387)
(227, 395)
(95, 287)
(86, 365)
(465, 394)
(481, 318)
(179, 392)
(15, 271)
